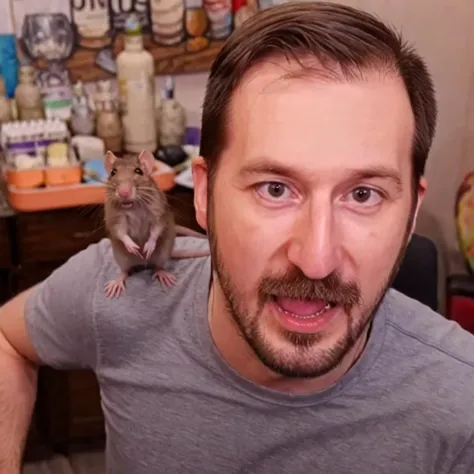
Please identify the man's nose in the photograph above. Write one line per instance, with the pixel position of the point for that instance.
(315, 245)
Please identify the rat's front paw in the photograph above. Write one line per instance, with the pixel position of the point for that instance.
(132, 247)
(148, 248)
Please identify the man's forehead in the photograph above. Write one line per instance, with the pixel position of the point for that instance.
(272, 78)
(308, 117)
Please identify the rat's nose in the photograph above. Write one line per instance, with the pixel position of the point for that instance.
(124, 191)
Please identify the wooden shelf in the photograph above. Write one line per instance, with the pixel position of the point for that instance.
(168, 59)
(60, 197)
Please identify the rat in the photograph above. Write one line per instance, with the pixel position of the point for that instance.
(140, 224)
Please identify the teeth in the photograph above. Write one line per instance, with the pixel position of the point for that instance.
(318, 313)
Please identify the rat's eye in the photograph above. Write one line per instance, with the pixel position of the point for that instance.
(138, 171)
(112, 173)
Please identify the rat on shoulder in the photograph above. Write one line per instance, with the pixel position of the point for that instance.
(139, 222)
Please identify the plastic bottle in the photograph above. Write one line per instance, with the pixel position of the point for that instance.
(136, 85)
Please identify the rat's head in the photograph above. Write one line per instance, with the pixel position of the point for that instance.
(129, 179)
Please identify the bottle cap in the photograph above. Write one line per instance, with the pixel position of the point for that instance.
(168, 92)
(132, 25)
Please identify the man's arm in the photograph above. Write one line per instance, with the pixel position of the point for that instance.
(52, 324)
(18, 373)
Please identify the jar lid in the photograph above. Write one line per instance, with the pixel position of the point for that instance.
(193, 3)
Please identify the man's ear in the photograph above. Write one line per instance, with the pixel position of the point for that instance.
(421, 192)
(200, 178)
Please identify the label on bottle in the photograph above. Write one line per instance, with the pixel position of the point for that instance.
(140, 89)
(122, 94)
(91, 17)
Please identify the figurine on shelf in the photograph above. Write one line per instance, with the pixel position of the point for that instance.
(103, 93)
(78, 93)
(108, 125)
(244, 10)
(82, 120)
(5, 104)
(28, 101)
(56, 90)
(196, 24)
(172, 117)
(158, 98)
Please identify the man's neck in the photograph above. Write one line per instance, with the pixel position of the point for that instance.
(235, 350)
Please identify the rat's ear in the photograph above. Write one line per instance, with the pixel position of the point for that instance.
(147, 161)
(109, 161)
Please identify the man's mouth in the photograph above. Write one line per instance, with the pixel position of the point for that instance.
(304, 316)
(304, 309)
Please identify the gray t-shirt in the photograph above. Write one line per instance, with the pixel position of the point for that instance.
(172, 405)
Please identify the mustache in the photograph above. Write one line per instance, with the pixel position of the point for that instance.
(295, 284)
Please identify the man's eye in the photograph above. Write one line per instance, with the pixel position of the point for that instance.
(365, 195)
(273, 190)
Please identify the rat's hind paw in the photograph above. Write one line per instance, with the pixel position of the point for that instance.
(165, 278)
(115, 287)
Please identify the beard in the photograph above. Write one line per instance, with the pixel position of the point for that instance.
(300, 355)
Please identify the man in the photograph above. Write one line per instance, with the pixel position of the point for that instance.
(290, 355)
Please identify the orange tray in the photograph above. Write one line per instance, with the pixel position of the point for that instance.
(59, 197)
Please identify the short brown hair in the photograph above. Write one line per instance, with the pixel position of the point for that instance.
(333, 34)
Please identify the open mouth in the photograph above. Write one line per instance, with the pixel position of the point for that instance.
(303, 315)
(304, 309)
(126, 204)
(319, 312)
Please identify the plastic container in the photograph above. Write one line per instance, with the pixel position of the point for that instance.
(59, 197)
(37, 177)
(25, 179)
(63, 176)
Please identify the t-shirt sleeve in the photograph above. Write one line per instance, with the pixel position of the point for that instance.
(59, 312)
(464, 463)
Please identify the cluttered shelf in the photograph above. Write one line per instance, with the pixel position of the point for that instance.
(58, 161)
(52, 192)
(33, 245)
(170, 59)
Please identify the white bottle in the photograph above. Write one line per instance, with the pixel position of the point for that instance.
(136, 87)
(172, 117)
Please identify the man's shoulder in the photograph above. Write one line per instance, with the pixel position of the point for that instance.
(94, 255)
(141, 289)
(99, 256)
(430, 359)
(147, 310)
(418, 327)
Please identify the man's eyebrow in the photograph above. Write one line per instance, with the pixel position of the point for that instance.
(268, 166)
(271, 167)
(377, 172)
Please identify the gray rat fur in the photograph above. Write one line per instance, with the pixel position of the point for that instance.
(139, 221)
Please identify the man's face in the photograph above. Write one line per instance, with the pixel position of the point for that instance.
(310, 213)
